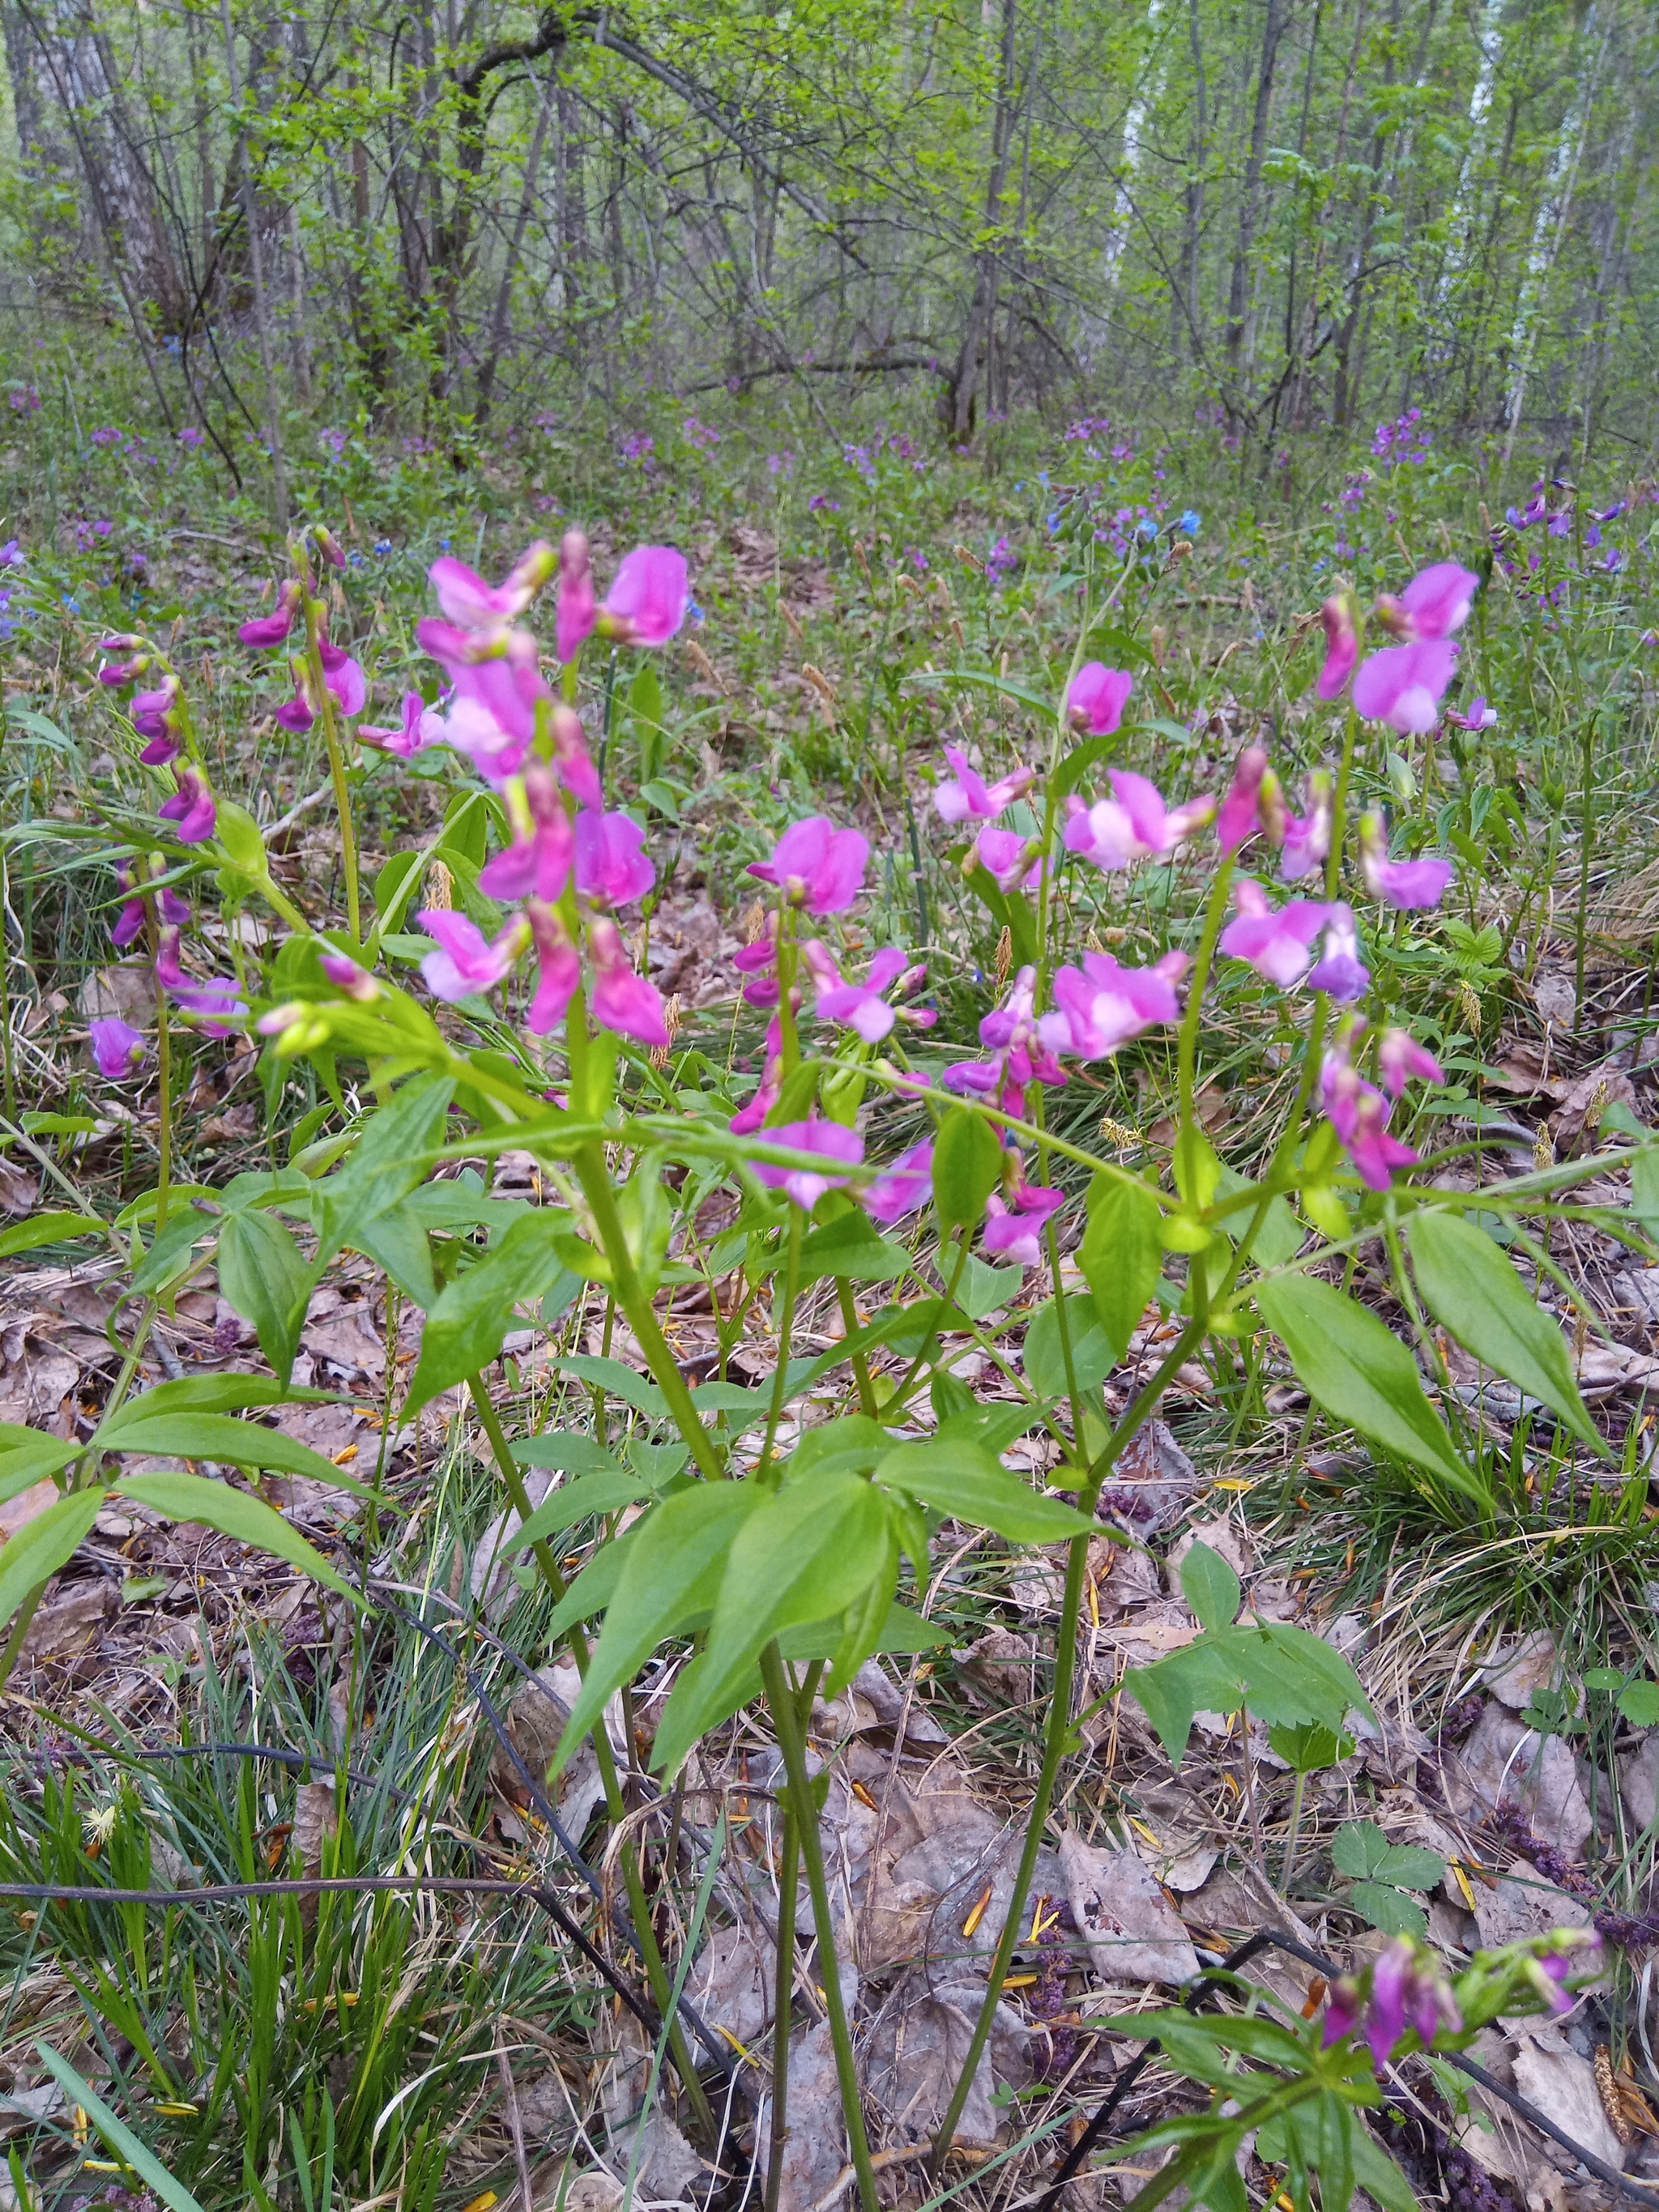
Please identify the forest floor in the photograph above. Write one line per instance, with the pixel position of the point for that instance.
(186, 1714)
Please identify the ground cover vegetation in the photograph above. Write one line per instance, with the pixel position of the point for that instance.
(828, 1182)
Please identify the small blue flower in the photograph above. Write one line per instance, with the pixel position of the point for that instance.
(443, 546)
(1190, 521)
(694, 612)
(72, 605)
(383, 546)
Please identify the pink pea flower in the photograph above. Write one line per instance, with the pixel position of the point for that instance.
(1552, 1963)
(1411, 885)
(476, 732)
(1009, 858)
(1401, 1059)
(191, 806)
(346, 976)
(559, 970)
(464, 964)
(759, 962)
(1433, 605)
(577, 610)
(1404, 1988)
(537, 863)
(1240, 813)
(647, 598)
(611, 866)
(1359, 1113)
(1134, 825)
(299, 713)
(343, 676)
(864, 1006)
(1096, 698)
(1341, 971)
(1480, 716)
(1020, 1052)
(266, 631)
(1016, 1229)
(1102, 1005)
(216, 1002)
(623, 1001)
(966, 797)
(835, 1144)
(1303, 840)
(421, 726)
(1340, 617)
(907, 1185)
(1276, 941)
(117, 1049)
(816, 866)
(749, 1118)
(130, 920)
(1404, 684)
(572, 760)
(467, 599)
(156, 716)
(116, 673)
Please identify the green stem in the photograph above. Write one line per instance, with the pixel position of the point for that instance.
(782, 2006)
(163, 1107)
(1586, 846)
(20, 1629)
(779, 1696)
(336, 769)
(10, 1072)
(1186, 1046)
(1059, 1730)
(785, 1331)
(1300, 1784)
(860, 1365)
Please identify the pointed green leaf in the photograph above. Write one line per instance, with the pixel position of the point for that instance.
(266, 1280)
(116, 2133)
(1210, 1587)
(564, 1508)
(620, 1382)
(967, 1167)
(41, 1546)
(851, 1248)
(47, 1229)
(182, 1496)
(463, 1329)
(1122, 1255)
(1348, 1362)
(1472, 1289)
(393, 1153)
(218, 1436)
(967, 1481)
(1044, 1356)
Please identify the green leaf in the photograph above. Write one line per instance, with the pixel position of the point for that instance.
(47, 1229)
(1388, 1909)
(1358, 1849)
(266, 1280)
(464, 1328)
(1044, 1356)
(397, 1242)
(224, 1394)
(805, 1552)
(850, 1249)
(1121, 1256)
(1376, 2173)
(568, 1454)
(967, 1481)
(967, 1168)
(22, 1466)
(1348, 1362)
(237, 835)
(618, 1382)
(1210, 1587)
(1197, 1169)
(393, 1153)
(564, 1508)
(1474, 1291)
(41, 1546)
(983, 1288)
(217, 1436)
(902, 1630)
(192, 1497)
(673, 1566)
(117, 2134)
(1305, 1746)
(854, 1444)
(171, 1251)
(1644, 1189)
(1640, 1703)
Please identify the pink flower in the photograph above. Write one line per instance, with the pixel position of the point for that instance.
(1009, 858)
(830, 1140)
(571, 759)
(1015, 1230)
(421, 726)
(1480, 716)
(1341, 971)
(622, 1000)
(816, 865)
(465, 598)
(1408, 884)
(117, 1049)
(1341, 616)
(749, 1118)
(115, 673)
(1404, 684)
(577, 612)
(218, 1002)
(559, 970)
(1021, 1054)
(346, 976)
(759, 962)
(463, 963)
(1095, 698)
(863, 1006)
(1303, 840)
(1133, 825)
(1433, 606)
(265, 630)
(297, 713)
(1404, 1988)
(969, 798)
(1400, 1059)
(1102, 1005)
(1276, 941)
(157, 716)
(191, 806)
(498, 688)
(612, 867)
(647, 598)
(343, 676)
(1359, 1113)
(537, 863)
(906, 1185)
(1240, 814)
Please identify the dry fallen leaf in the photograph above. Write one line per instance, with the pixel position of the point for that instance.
(1133, 1932)
(1503, 1763)
(916, 2051)
(815, 2145)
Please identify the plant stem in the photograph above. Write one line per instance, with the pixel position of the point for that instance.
(1057, 1732)
(785, 1330)
(163, 1106)
(1586, 846)
(1297, 1788)
(860, 1365)
(779, 1696)
(335, 764)
(1186, 1048)
(783, 2004)
(20, 1629)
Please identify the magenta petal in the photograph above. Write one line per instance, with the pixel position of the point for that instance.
(1404, 684)
(1438, 600)
(117, 1047)
(649, 594)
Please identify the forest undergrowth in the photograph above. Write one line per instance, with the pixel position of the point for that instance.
(849, 1273)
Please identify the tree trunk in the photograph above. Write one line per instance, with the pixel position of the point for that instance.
(1239, 336)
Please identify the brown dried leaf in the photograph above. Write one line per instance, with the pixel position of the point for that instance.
(916, 2051)
(1133, 1932)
